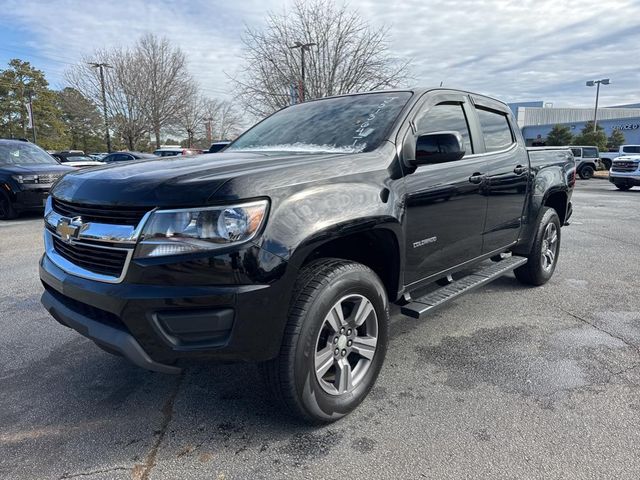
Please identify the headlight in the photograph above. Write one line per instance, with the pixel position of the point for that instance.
(174, 232)
(26, 178)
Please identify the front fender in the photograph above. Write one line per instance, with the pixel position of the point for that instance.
(324, 212)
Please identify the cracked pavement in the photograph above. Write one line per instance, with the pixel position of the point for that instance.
(507, 382)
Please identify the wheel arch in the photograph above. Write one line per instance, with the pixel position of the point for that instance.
(559, 201)
(377, 247)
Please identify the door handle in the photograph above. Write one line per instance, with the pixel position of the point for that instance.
(519, 170)
(476, 178)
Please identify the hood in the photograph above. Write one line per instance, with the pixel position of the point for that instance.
(187, 181)
(35, 168)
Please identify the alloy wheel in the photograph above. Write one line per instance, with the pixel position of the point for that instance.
(346, 344)
(549, 246)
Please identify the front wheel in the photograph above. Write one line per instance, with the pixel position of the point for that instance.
(622, 186)
(7, 210)
(334, 343)
(544, 254)
(586, 172)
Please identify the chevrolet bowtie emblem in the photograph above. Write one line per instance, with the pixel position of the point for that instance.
(69, 228)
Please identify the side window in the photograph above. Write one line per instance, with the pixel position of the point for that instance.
(443, 117)
(577, 152)
(495, 129)
(631, 149)
(590, 153)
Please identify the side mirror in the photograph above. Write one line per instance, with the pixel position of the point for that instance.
(438, 147)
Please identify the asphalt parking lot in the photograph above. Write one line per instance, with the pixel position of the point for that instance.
(507, 382)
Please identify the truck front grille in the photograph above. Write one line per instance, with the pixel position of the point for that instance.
(103, 261)
(624, 166)
(100, 213)
(47, 178)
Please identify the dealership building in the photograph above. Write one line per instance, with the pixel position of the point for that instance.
(536, 119)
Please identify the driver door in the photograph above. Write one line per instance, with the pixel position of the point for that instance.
(445, 202)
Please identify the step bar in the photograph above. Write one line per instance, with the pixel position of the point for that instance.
(421, 307)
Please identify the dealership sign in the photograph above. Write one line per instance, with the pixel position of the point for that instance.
(628, 126)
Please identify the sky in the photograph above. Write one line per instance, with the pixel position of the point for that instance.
(513, 50)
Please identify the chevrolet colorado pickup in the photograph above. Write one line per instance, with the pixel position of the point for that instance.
(288, 248)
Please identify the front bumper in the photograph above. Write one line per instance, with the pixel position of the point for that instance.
(630, 178)
(31, 198)
(155, 324)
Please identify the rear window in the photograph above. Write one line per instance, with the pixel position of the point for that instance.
(495, 129)
(631, 149)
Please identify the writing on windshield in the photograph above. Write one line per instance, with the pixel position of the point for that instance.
(349, 124)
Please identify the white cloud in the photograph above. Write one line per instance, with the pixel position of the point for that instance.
(518, 50)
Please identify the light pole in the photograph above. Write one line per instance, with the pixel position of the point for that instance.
(591, 83)
(32, 117)
(303, 48)
(102, 66)
(209, 120)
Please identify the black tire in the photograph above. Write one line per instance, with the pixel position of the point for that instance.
(622, 186)
(538, 270)
(292, 376)
(586, 172)
(607, 163)
(7, 210)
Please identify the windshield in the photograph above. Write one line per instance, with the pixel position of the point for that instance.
(23, 153)
(351, 124)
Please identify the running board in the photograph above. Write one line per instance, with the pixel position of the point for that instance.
(422, 306)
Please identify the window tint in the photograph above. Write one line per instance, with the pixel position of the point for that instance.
(631, 149)
(590, 153)
(446, 117)
(496, 130)
(577, 152)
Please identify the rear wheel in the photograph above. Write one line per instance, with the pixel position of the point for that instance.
(334, 342)
(586, 172)
(7, 211)
(622, 186)
(544, 254)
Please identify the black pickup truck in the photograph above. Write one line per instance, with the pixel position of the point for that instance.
(289, 247)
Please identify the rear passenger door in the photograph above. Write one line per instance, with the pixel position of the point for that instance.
(507, 174)
(445, 207)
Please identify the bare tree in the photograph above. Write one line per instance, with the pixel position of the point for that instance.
(169, 84)
(190, 118)
(124, 85)
(349, 56)
(226, 122)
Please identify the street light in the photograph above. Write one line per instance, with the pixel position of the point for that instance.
(591, 83)
(303, 48)
(102, 66)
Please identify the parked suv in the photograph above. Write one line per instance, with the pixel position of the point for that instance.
(288, 248)
(587, 160)
(26, 175)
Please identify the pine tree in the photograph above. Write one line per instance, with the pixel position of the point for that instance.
(559, 135)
